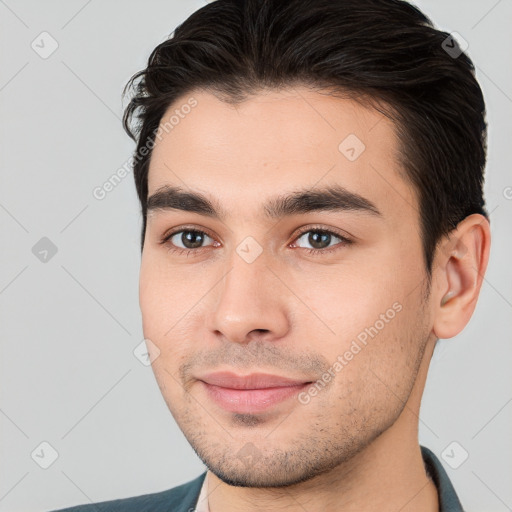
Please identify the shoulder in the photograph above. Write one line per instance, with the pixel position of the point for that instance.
(182, 498)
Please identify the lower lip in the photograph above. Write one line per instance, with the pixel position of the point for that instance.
(251, 400)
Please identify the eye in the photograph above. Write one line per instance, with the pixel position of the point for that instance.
(189, 239)
(186, 240)
(320, 240)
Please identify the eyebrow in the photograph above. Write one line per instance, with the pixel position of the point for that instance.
(331, 198)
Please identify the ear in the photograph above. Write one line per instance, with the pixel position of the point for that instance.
(461, 262)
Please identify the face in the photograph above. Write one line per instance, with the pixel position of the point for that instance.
(306, 264)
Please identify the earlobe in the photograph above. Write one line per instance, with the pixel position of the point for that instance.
(461, 266)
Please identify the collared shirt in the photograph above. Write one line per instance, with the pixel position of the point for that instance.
(202, 501)
(448, 499)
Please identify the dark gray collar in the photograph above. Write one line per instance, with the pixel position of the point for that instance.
(448, 499)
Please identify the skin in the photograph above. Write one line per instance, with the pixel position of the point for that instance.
(354, 446)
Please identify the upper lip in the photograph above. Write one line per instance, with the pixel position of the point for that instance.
(251, 381)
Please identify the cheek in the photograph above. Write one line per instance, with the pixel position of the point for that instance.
(163, 304)
(350, 300)
(375, 369)
(369, 322)
(165, 295)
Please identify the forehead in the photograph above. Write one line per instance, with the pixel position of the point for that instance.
(277, 141)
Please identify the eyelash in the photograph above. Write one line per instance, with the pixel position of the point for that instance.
(315, 252)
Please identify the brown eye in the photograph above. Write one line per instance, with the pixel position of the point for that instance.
(320, 240)
(190, 239)
(186, 240)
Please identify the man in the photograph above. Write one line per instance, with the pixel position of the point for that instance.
(310, 176)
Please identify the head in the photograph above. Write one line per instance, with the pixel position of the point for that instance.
(310, 177)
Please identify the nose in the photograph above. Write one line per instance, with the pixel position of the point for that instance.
(250, 302)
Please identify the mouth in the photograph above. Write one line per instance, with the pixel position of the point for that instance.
(252, 393)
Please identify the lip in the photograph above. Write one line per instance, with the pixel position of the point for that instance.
(251, 393)
(252, 381)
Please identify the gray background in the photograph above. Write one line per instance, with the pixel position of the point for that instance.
(69, 325)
